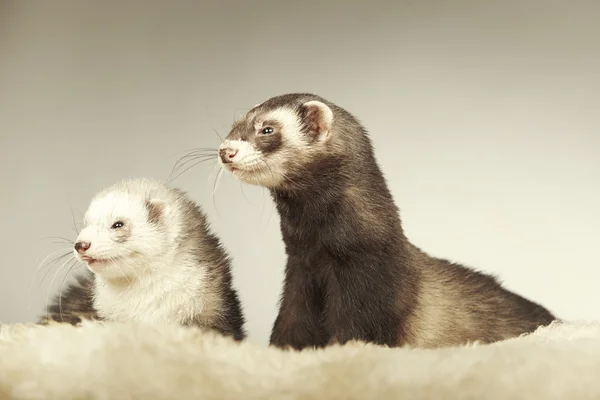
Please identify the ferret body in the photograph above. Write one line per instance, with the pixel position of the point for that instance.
(351, 273)
(153, 259)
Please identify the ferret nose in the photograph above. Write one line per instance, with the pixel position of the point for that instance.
(81, 247)
(227, 154)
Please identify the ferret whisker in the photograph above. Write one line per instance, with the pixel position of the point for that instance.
(270, 213)
(72, 258)
(66, 253)
(235, 111)
(63, 265)
(217, 180)
(45, 263)
(199, 151)
(271, 208)
(217, 133)
(131, 265)
(50, 285)
(176, 172)
(212, 172)
(272, 205)
(271, 172)
(211, 122)
(262, 204)
(295, 185)
(60, 242)
(237, 107)
(123, 273)
(244, 194)
(73, 217)
(195, 149)
(181, 163)
(68, 241)
(262, 207)
(50, 269)
(192, 156)
(188, 168)
(62, 284)
(47, 256)
(215, 186)
(233, 117)
(207, 152)
(197, 155)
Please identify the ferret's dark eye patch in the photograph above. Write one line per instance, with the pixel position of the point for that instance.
(117, 225)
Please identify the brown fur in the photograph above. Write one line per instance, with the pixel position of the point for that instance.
(351, 273)
(223, 310)
(75, 304)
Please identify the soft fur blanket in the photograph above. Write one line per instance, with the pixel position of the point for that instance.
(124, 361)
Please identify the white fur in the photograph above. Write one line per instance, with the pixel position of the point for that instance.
(150, 280)
(250, 164)
(104, 211)
(295, 143)
(247, 155)
(128, 361)
(168, 295)
(291, 130)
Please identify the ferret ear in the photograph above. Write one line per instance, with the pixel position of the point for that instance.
(318, 119)
(157, 210)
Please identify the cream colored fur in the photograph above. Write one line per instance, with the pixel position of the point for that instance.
(154, 278)
(129, 361)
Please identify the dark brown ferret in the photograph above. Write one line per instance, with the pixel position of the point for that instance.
(351, 273)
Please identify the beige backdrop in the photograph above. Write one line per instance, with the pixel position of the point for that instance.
(484, 116)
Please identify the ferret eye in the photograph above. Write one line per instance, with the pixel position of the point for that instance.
(267, 131)
(117, 225)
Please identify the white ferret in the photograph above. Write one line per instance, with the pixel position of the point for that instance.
(152, 259)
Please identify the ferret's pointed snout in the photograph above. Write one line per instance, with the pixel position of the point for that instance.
(81, 247)
(227, 154)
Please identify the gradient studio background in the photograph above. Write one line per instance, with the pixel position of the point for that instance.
(484, 115)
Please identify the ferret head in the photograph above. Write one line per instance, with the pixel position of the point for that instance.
(279, 139)
(124, 231)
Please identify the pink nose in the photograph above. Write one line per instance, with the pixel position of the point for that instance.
(81, 247)
(227, 154)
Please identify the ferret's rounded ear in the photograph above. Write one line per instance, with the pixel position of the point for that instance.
(157, 210)
(318, 118)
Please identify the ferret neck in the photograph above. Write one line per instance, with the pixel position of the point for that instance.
(358, 192)
(143, 271)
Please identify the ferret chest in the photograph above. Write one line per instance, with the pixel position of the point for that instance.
(163, 299)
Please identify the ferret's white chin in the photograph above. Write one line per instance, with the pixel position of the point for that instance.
(98, 265)
(243, 175)
(108, 269)
(255, 176)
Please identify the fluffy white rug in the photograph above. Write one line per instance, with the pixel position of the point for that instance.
(121, 361)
